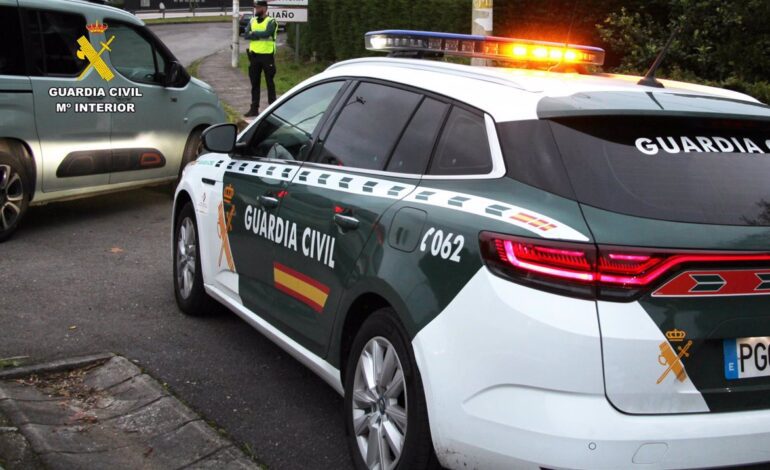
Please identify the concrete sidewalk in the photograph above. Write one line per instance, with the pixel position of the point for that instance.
(107, 414)
(232, 86)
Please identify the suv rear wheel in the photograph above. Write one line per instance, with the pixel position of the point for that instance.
(14, 195)
(385, 414)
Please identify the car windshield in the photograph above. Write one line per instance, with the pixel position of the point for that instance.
(699, 170)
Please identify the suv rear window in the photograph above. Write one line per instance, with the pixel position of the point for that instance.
(712, 171)
(11, 54)
(53, 42)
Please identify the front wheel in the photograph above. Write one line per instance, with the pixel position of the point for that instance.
(191, 296)
(385, 412)
(14, 195)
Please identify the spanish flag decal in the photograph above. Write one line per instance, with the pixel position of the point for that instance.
(305, 289)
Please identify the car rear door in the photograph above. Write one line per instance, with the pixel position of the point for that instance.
(679, 207)
(372, 156)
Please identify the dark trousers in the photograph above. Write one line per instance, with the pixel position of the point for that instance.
(259, 63)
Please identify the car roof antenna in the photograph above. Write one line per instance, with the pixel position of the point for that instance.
(649, 78)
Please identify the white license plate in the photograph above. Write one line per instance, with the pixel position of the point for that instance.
(747, 357)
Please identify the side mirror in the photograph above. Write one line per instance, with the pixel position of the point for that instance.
(220, 138)
(174, 74)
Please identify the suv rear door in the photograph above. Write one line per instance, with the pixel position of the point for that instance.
(75, 145)
(372, 155)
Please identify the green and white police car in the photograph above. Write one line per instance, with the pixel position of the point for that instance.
(91, 101)
(501, 267)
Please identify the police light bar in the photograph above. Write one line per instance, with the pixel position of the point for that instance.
(483, 47)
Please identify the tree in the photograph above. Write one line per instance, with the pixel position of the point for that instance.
(718, 40)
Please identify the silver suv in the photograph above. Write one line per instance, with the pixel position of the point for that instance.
(90, 101)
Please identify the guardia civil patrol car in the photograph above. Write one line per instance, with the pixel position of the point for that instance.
(501, 267)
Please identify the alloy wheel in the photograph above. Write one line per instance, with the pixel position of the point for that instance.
(380, 405)
(11, 196)
(186, 257)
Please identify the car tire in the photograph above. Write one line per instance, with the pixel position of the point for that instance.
(15, 190)
(376, 410)
(192, 150)
(191, 296)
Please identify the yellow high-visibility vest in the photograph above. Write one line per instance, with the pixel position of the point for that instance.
(262, 46)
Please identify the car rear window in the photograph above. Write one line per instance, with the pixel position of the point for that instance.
(686, 169)
(463, 148)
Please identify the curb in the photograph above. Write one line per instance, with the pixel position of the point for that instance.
(60, 365)
(113, 416)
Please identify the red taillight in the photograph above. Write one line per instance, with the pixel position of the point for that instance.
(588, 270)
(558, 262)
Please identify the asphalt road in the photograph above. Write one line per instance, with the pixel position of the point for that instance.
(193, 41)
(95, 275)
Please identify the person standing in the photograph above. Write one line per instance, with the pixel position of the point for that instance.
(262, 34)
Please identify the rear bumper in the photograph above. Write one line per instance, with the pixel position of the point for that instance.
(555, 430)
(513, 379)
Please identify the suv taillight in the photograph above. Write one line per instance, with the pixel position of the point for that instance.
(590, 271)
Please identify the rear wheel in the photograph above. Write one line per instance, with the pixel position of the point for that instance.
(191, 296)
(14, 195)
(385, 413)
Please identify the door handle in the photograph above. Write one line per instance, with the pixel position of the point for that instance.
(209, 181)
(268, 202)
(346, 222)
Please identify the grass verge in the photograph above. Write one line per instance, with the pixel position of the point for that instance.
(190, 19)
(289, 73)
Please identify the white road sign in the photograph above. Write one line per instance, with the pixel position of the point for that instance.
(288, 3)
(288, 15)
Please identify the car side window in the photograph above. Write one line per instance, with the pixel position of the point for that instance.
(416, 145)
(53, 47)
(286, 133)
(135, 56)
(11, 54)
(368, 126)
(463, 148)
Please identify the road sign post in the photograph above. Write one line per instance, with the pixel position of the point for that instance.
(296, 44)
(235, 46)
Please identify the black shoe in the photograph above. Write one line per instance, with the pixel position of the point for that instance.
(252, 112)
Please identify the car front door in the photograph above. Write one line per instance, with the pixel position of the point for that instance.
(372, 156)
(74, 139)
(268, 157)
(149, 135)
